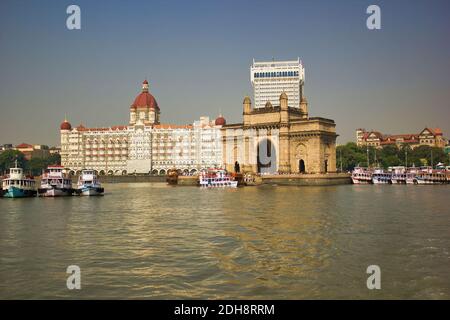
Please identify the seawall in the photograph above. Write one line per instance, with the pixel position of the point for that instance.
(326, 179)
(289, 179)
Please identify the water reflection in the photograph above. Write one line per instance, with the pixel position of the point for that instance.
(157, 241)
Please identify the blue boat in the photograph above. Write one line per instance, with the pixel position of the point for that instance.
(17, 185)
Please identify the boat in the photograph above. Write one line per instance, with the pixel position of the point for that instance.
(17, 185)
(399, 175)
(432, 177)
(361, 175)
(379, 176)
(411, 176)
(172, 176)
(55, 183)
(216, 178)
(88, 184)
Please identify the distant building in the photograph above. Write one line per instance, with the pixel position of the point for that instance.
(55, 150)
(271, 78)
(5, 147)
(33, 151)
(432, 137)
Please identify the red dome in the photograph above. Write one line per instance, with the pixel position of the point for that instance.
(220, 121)
(66, 125)
(145, 99)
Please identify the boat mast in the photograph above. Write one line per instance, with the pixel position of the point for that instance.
(431, 158)
(406, 158)
(368, 164)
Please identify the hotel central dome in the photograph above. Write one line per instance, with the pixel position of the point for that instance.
(145, 99)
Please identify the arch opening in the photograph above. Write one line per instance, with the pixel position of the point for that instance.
(266, 157)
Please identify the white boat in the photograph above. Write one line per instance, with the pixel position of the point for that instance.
(379, 176)
(432, 177)
(55, 183)
(361, 176)
(17, 185)
(88, 184)
(216, 178)
(399, 175)
(411, 174)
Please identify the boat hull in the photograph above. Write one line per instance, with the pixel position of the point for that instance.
(14, 192)
(361, 181)
(229, 184)
(90, 191)
(426, 181)
(55, 192)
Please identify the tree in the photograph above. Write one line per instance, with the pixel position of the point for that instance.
(36, 165)
(54, 159)
(388, 156)
(8, 158)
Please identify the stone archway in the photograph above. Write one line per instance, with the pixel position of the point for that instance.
(301, 157)
(301, 166)
(266, 157)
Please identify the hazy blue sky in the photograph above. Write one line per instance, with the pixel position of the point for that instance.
(197, 54)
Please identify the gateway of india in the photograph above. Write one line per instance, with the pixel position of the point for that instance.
(277, 136)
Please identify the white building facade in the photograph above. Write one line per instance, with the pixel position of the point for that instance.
(145, 146)
(270, 78)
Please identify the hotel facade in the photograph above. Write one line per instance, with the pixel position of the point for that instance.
(144, 146)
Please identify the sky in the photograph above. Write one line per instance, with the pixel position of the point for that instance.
(196, 56)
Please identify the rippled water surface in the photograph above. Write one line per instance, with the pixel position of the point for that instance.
(150, 240)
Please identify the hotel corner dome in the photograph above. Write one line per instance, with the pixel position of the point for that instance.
(66, 125)
(247, 100)
(283, 95)
(220, 121)
(145, 99)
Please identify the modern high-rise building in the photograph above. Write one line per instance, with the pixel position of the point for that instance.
(271, 78)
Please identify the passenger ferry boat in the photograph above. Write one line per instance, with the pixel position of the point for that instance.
(216, 178)
(432, 177)
(361, 176)
(399, 175)
(411, 176)
(55, 183)
(379, 176)
(88, 184)
(17, 185)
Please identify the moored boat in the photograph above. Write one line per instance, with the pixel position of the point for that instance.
(379, 176)
(88, 184)
(55, 183)
(432, 177)
(172, 176)
(17, 185)
(361, 176)
(399, 175)
(216, 178)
